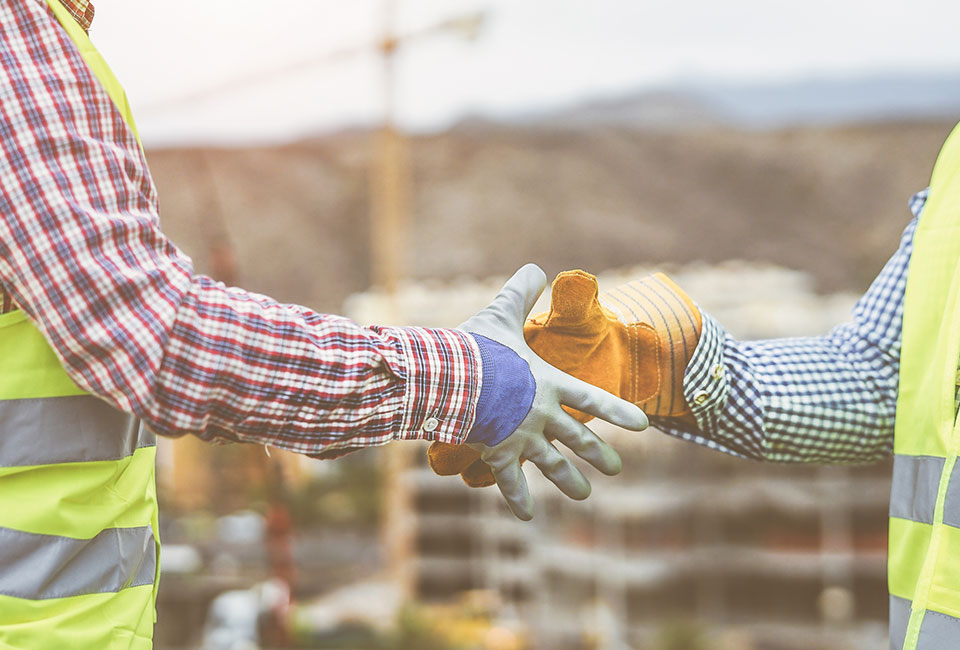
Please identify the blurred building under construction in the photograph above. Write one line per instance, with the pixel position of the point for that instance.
(687, 548)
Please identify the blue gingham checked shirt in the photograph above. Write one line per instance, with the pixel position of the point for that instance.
(824, 399)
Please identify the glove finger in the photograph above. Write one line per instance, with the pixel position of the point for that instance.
(513, 487)
(446, 459)
(577, 415)
(599, 403)
(478, 475)
(518, 296)
(585, 444)
(558, 468)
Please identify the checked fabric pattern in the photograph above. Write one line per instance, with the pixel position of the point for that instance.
(827, 399)
(81, 10)
(818, 399)
(82, 255)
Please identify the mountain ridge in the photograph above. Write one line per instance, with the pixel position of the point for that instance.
(485, 200)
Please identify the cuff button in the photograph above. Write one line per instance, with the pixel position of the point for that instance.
(701, 397)
(431, 424)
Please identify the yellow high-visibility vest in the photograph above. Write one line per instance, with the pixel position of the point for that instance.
(79, 545)
(924, 553)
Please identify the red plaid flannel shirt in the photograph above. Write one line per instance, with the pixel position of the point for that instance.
(82, 254)
(81, 10)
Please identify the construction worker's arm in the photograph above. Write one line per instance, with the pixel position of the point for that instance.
(829, 399)
(132, 322)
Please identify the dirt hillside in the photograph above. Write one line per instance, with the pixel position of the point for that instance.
(489, 198)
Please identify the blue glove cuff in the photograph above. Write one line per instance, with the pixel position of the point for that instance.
(506, 396)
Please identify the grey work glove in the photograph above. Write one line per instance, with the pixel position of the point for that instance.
(502, 321)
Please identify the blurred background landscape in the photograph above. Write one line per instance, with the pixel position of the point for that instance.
(394, 162)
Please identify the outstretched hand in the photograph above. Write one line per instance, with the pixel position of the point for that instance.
(502, 321)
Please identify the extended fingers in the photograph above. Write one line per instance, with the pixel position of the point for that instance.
(556, 467)
(584, 443)
(599, 403)
(513, 486)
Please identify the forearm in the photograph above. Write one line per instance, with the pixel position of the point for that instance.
(130, 320)
(242, 366)
(135, 325)
(827, 399)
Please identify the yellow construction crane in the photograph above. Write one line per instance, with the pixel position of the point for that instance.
(390, 180)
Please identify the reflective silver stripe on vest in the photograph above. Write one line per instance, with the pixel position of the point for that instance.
(70, 429)
(37, 567)
(913, 494)
(937, 631)
(951, 506)
(899, 617)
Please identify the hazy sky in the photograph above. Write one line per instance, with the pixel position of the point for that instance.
(530, 54)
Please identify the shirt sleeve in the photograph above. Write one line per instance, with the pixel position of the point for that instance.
(826, 399)
(82, 254)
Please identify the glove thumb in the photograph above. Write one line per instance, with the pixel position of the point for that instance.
(575, 305)
(518, 296)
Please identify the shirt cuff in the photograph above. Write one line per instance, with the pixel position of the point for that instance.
(443, 383)
(705, 389)
(506, 396)
(705, 381)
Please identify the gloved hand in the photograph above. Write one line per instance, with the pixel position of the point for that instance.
(502, 322)
(634, 341)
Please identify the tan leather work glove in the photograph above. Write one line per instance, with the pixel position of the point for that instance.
(634, 341)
